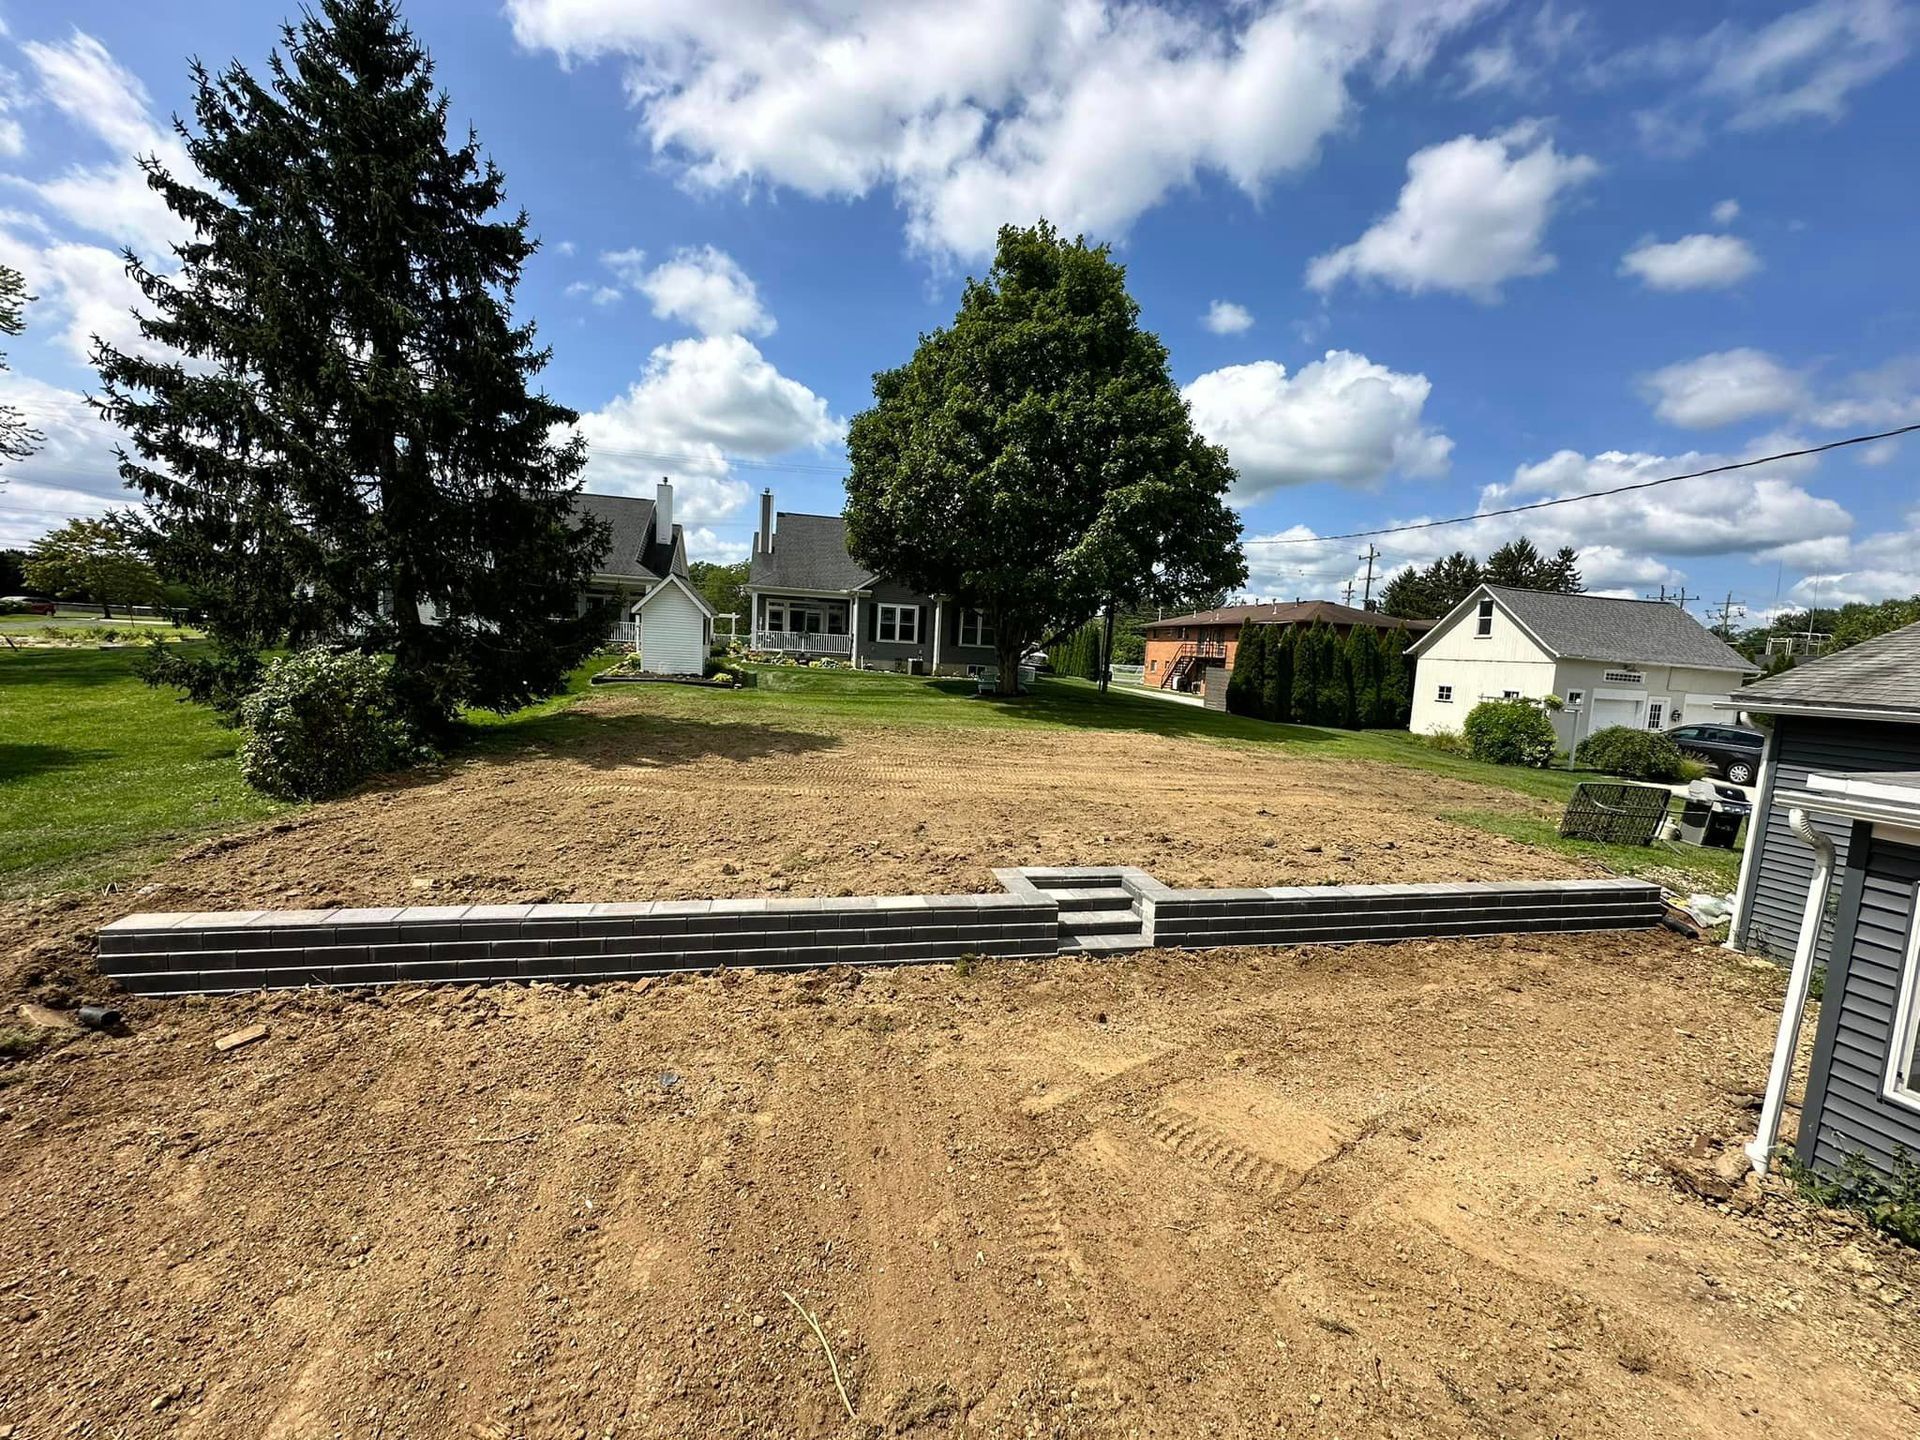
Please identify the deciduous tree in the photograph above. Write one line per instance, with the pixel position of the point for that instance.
(92, 559)
(1035, 460)
(18, 438)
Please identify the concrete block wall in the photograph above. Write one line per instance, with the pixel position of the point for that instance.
(1341, 914)
(250, 950)
(219, 951)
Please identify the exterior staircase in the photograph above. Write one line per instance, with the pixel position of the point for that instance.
(1188, 658)
(1097, 915)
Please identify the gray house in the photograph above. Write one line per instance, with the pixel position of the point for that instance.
(811, 601)
(1863, 1086)
(1856, 712)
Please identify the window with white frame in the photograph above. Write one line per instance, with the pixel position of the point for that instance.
(898, 624)
(1902, 1084)
(1444, 695)
(1625, 677)
(975, 628)
(1483, 626)
(1575, 698)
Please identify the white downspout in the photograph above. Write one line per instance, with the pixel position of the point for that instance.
(1799, 980)
(1756, 828)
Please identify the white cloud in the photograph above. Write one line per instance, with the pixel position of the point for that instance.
(72, 473)
(1490, 67)
(81, 79)
(1341, 418)
(628, 266)
(697, 402)
(1224, 317)
(1693, 262)
(704, 543)
(1089, 112)
(1881, 566)
(1627, 542)
(1472, 216)
(706, 289)
(1726, 212)
(13, 137)
(1803, 65)
(597, 294)
(1723, 387)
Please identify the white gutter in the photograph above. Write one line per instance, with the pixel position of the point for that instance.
(1756, 838)
(1799, 980)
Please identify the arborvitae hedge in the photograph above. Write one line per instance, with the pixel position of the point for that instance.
(1316, 677)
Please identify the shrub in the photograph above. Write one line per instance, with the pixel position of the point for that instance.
(320, 723)
(1510, 732)
(221, 680)
(1447, 742)
(1634, 754)
(1889, 1203)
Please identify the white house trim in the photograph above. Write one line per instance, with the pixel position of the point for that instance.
(692, 594)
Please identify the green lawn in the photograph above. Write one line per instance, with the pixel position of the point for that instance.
(98, 773)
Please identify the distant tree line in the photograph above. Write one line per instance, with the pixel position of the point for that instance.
(1427, 594)
(1847, 625)
(1316, 676)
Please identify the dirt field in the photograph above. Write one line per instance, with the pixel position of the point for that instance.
(1385, 1191)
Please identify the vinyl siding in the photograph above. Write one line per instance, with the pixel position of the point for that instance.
(1783, 867)
(673, 639)
(1846, 1112)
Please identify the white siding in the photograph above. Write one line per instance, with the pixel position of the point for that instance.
(1477, 667)
(673, 636)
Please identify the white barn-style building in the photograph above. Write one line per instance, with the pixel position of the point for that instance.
(1646, 664)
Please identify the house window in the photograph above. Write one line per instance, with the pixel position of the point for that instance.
(1574, 699)
(974, 628)
(1903, 1062)
(899, 624)
(1483, 627)
(1509, 694)
(1656, 710)
(1444, 695)
(1625, 677)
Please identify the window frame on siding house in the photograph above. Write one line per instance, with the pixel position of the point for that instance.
(1901, 1083)
(905, 620)
(1443, 695)
(983, 634)
(1483, 621)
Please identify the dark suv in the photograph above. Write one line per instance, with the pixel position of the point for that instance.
(1730, 749)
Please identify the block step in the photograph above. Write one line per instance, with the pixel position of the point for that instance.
(1102, 944)
(1098, 922)
(1085, 899)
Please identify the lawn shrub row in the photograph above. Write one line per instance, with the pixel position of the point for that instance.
(1316, 676)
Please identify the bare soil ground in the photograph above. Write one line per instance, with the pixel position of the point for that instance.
(1385, 1191)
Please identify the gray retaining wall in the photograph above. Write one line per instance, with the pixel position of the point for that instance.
(246, 950)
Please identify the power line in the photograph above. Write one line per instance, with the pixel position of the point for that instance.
(1588, 495)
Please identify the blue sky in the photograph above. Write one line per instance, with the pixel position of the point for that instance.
(1411, 259)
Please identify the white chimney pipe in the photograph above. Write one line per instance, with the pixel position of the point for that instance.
(663, 512)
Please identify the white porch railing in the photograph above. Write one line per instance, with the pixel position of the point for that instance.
(792, 642)
(625, 632)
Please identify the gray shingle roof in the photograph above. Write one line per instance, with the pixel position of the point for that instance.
(1596, 627)
(634, 554)
(809, 553)
(1878, 674)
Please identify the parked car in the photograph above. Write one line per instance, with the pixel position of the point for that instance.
(1732, 750)
(28, 605)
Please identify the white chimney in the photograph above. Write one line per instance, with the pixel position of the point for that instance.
(663, 512)
(765, 538)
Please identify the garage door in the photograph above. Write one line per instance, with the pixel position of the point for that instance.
(1615, 712)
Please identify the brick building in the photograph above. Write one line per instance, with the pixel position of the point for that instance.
(1184, 650)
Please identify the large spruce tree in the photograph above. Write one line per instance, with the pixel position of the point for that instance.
(344, 444)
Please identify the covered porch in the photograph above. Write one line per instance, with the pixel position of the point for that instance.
(801, 623)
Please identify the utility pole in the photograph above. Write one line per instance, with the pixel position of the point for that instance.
(1680, 597)
(1728, 611)
(1366, 596)
(1348, 597)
